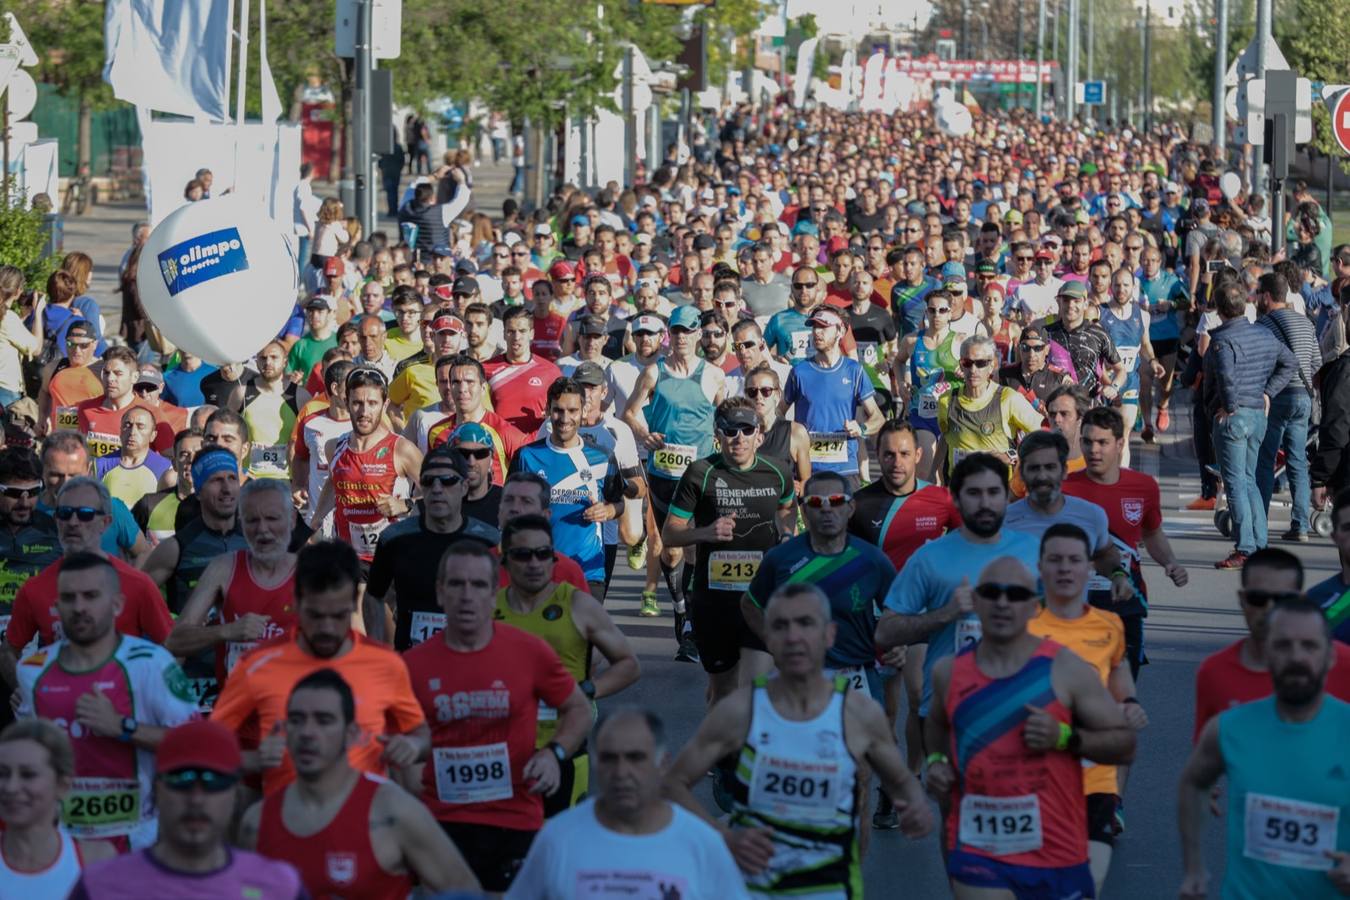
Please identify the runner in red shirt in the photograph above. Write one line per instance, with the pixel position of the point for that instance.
(82, 515)
(252, 591)
(99, 419)
(462, 382)
(371, 470)
(1133, 513)
(349, 833)
(519, 380)
(548, 323)
(1238, 673)
(480, 685)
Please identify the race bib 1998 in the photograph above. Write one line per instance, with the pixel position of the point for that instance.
(472, 774)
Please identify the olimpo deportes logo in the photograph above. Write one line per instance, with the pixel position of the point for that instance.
(202, 258)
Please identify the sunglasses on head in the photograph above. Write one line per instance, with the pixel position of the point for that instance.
(210, 781)
(525, 554)
(976, 363)
(84, 513)
(1015, 593)
(445, 481)
(1255, 597)
(817, 501)
(17, 493)
(727, 429)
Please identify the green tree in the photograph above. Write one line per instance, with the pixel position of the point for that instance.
(23, 243)
(1314, 40)
(68, 39)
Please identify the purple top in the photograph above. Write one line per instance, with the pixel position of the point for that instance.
(139, 876)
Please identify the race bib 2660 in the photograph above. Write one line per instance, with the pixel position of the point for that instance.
(202, 258)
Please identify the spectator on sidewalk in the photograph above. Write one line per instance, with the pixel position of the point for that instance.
(1245, 366)
(1291, 408)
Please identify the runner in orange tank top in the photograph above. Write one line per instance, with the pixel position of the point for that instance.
(371, 470)
(349, 833)
(1011, 777)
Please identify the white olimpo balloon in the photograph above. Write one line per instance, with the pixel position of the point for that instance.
(955, 121)
(218, 278)
(1230, 184)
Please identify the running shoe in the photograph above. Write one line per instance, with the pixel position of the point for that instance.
(885, 817)
(1146, 435)
(1296, 535)
(637, 557)
(1234, 560)
(649, 608)
(1202, 504)
(1164, 420)
(688, 651)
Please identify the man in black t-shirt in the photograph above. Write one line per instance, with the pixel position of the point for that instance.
(873, 327)
(1101, 372)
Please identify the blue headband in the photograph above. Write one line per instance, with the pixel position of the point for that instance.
(212, 461)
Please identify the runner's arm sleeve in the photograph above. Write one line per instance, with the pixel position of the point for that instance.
(403, 713)
(684, 501)
(1153, 507)
(1021, 413)
(611, 489)
(763, 582)
(151, 613)
(236, 703)
(907, 591)
(381, 575)
(165, 693)
(22, 626)
(862, 388)
(25, 676)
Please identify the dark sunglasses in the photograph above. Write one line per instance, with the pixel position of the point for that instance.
(1031, 348)
(1015, 593)
(939, 310)
(976, 363)
(716, 335)
(802, 285)
(1024, 258)
(18, 493)
(525, 554)
(475, 452)
(1265, 598)
(212, 782)
(760, 391)
(85, 513)
(144, 389)
(726, 429)
(445, 481)
(816, 501)
(745, 345)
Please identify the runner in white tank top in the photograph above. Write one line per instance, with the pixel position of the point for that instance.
(55, 880)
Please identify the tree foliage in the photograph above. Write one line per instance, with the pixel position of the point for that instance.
(68, 39)
(23, 243)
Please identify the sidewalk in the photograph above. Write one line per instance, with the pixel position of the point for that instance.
(104, 232)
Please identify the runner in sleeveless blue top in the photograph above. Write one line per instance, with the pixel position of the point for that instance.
(827, 390)
(1128, 325)
(587, 489)
(1288, 801)
(671, 413)
(926, 373)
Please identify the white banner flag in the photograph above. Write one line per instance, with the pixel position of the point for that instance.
(806, 57)
(170, 55)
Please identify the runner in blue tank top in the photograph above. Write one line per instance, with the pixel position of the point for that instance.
(671, 413)
(1288, 802)
(828, 389)
(1128, 325)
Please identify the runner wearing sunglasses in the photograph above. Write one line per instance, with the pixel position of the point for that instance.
(574, 624)
(927, 367)
(195, 774)
(403, 571)
(115, 694)
(983, 416)
(1010, 777)
(28, 539)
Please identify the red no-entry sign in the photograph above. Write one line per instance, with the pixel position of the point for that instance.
(1340, 120)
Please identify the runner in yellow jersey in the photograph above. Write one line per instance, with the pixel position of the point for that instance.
(571, 622)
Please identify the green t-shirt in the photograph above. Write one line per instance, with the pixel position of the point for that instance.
(307, 351)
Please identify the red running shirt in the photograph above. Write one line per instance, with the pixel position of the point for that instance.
(244, 595)
(143, 615)
(1222, 682)
(360, 480)
(520, 390)
(483, 708)
(337, 860)
(1018, 806)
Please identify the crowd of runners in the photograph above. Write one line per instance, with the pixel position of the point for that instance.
(855, 397)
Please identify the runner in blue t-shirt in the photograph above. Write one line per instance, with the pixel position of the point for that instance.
(787, 335)
(931, 599)
(827, 390)
(587, 490)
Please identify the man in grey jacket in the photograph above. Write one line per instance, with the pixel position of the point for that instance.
(1245, 366)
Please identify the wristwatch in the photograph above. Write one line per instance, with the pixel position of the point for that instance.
(588, 688)
(557, 750)
(129, 726)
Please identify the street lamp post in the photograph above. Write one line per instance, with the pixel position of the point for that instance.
(1148, 64)
(1040, 57)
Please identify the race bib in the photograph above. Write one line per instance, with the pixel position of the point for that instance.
(102, 444)
(867, 353)
(68, 418)
(672, 459)
(203, 691)
(929, 396)
(102, 807)
(547, 713)
(1129, 356)
(796, 789)
(237, 650)
(829, 447)
(968, 632)
(472, 774)
(854, 677)
(1001, 826)
(365, 535)
(425, 625)
(272, 459)
(1291, 833)
(801, 342)
(732, 570)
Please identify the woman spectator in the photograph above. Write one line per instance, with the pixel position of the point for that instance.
(194, 191)
(133, 315)
(331, 233)
(17, 340)
(38, 857)
(81, 268)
